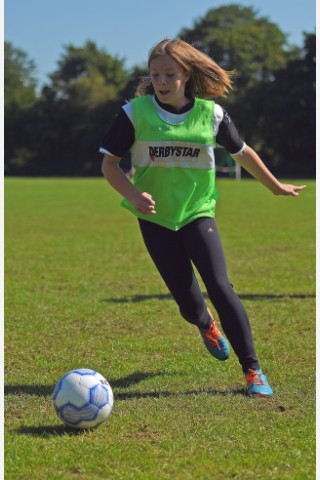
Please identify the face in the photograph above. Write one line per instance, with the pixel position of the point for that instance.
(169, 80)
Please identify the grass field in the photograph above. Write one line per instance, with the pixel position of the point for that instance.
(81, 291)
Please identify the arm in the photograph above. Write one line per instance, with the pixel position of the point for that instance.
(251, 162)
(142, 202)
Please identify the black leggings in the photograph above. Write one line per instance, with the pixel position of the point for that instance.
(199, 243)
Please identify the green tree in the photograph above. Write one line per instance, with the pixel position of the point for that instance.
(87, 76)
(237, 39)
(58, 132)
(75, 108)
(19, 98)
(285, 115)
(19, 78)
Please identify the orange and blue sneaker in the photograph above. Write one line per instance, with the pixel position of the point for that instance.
(214, 341)
(258, 384)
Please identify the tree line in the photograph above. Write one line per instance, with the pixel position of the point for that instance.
(57, 131)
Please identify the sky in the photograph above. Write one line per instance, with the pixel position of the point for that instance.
(125, 28)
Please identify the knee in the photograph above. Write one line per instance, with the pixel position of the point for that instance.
(197, 315)
(220, 290)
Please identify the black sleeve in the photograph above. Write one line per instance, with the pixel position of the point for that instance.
(120, 136)
(228, 135)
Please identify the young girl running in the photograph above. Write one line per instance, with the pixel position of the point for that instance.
(171, 128)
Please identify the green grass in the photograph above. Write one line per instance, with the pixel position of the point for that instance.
(81, 291)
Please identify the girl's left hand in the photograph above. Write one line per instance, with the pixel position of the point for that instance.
(287, 189)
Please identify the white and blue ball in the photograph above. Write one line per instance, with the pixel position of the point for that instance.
(83, 398)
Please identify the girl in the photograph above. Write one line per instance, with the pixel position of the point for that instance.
(171, 128)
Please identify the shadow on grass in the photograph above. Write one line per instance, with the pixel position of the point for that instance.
(47, 390)
(60, 430)
(29, 390)
(125, 382)
(242, 296)
(167, 394)
(49, 431)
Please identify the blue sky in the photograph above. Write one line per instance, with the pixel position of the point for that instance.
(125, 28)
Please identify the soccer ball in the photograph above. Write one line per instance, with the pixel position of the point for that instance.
(83, 398)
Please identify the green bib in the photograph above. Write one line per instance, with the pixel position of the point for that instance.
(174, 163)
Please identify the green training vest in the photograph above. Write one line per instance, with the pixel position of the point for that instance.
(174, 163)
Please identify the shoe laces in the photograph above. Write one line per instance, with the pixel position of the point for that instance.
(254, 377)
(212, 335)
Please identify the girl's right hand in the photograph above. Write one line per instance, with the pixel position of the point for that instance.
(144, 204)
(288, 189)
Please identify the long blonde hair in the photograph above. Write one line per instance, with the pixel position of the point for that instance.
(207, 78)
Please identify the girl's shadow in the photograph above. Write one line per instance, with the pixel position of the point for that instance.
(47, 431)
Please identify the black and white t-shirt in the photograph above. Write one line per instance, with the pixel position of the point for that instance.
(120, 137)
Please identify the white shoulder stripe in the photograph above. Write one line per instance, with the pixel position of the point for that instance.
(218, 116)
(128, 108)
